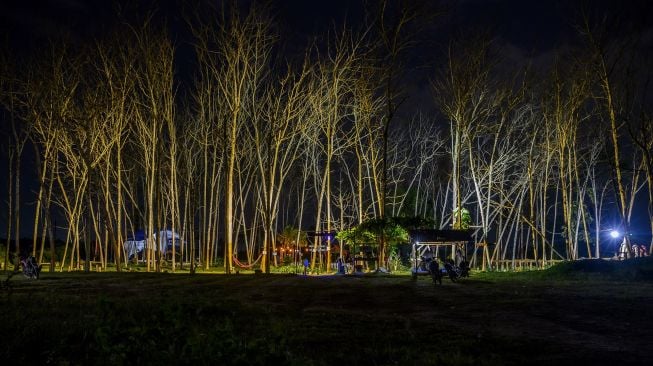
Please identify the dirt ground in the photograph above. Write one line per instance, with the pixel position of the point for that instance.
(287, 319)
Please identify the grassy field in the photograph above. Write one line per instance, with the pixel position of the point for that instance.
(593, 312)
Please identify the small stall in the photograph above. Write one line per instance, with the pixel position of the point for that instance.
(320, 243)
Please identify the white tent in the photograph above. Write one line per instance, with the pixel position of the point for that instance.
(135, 244)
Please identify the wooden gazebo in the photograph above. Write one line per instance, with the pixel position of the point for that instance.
(440, 244)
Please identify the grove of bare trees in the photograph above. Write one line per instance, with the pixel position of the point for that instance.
(257, 145)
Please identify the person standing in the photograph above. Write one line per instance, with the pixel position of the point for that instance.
(459, 256)
(434, 270)
(305, 266)
(623, 249)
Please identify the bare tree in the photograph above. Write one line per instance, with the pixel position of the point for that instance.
(156, 108)
(609, 56)
(50, 101)
(395, 23)
(13, 93)
(242, 44)
(117, 77)
(329, 102)
(276, 129)
(462, 95)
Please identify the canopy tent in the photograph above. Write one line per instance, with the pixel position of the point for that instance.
(136, 242)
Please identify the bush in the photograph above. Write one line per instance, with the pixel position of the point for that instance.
(289, 268)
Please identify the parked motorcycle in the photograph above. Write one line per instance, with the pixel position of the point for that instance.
(31, 269)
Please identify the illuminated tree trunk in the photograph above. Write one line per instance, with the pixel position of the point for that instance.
(229, 214)
(318, 220)
(19, 142)
(47, 225)
(10, 201)
(118, 236)
(42, 170)
(173, 191)
(531, 200)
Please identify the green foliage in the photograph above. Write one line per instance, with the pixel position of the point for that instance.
(288, 268)
(394, 230)
(371, 231)
(414, 222)
(587, 214)
(3, 251)
(356, 235)
(288, 237)
(462, 219)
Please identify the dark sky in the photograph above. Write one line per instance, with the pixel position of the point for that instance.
(524, 23)
(526, 29)
(529, 27)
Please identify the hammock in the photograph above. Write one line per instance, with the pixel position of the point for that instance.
(247, 266)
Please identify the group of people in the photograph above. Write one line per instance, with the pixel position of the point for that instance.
(636, 250)
(453, 269)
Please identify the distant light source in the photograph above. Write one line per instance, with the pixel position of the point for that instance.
(615, 234)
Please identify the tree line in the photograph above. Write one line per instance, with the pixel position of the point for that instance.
(258, 139)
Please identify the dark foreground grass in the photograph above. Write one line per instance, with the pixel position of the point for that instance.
(556, 316)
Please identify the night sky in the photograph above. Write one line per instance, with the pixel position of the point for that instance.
(532, 27)
(527, 31)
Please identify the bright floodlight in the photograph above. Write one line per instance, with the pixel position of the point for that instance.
(615, 234)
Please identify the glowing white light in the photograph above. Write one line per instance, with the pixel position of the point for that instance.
(615, 234)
